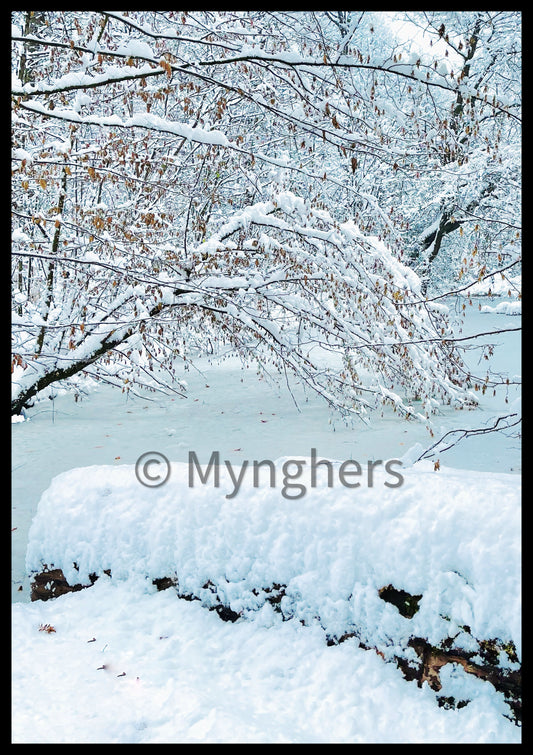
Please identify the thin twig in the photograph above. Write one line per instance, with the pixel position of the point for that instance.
(428, 453)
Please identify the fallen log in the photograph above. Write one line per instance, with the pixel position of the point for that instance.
(51, 583)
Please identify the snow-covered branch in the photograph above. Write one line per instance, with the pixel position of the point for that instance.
(257, 181)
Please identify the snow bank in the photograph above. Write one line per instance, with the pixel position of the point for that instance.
(452, 537)
(504, 308)
(129, 666)
(495, 285)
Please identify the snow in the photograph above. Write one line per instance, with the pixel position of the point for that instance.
(20, 237)
(141, 120)
(501, 285)
(191, 678)
(504, 307)
(136, 48)
(334, 548)
(174, 671)
(22, 154)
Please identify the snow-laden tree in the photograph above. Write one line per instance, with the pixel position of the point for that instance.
(470, 175)
(188, 179)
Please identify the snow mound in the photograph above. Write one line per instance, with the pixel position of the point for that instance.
(175, 673)
(504, 308)
(495, 285)
(452, 537)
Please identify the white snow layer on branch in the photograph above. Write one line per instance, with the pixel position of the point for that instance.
(362, 301)
(142, 120)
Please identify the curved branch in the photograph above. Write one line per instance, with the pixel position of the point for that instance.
(461, 434)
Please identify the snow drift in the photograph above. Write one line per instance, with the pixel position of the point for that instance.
(453, 539)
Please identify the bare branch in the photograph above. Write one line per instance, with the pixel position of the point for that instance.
(460, 434)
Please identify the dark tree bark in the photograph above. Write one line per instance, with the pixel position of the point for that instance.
(429, 246)
(24, 398)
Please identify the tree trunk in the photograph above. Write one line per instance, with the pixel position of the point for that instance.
(429, 246)
(62, 373)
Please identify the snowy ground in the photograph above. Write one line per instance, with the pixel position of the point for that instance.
(191, 677)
